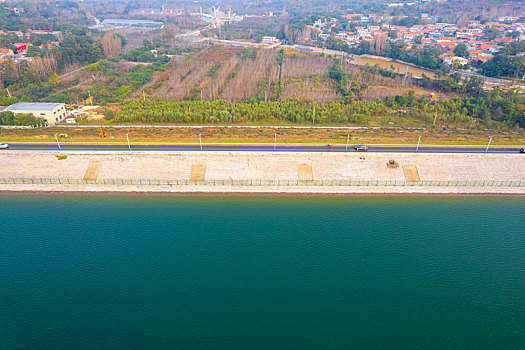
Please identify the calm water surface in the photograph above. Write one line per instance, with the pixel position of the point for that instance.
(145, 272)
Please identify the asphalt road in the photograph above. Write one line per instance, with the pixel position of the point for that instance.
(254, 148)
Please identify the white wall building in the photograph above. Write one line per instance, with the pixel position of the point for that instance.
(52, 113)
(455, 60)
(269, 40)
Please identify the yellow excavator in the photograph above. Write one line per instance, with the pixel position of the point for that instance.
(102, 133)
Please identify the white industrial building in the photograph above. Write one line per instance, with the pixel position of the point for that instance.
(52, 113)
(270, 40)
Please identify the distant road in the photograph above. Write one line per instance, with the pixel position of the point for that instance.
(73, 72)
(155, 126)
(255, 148)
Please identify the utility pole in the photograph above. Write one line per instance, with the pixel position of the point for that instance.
(418, 142)
(347, 140)
(144, 95)
(90, 98)
(275, 143)
(127, 138)
(435, 118)
(200, 140)
(58, 143)
(313, 116)
(490, 141)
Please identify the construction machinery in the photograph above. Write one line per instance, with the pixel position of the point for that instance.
(102, 133)
(392, 164)
(63, 136)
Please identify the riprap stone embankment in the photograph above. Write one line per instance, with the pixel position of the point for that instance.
(263, 172)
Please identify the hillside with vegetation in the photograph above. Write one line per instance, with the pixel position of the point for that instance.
(238, 74)
(158, 77)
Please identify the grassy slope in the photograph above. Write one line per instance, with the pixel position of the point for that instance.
(266, 136)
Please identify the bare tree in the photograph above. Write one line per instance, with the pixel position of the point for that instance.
(379, 44)
(250, 76)
(305, 65)
(111, 44)
(44, 66)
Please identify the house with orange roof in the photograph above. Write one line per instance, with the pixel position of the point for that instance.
(447, 45)
(484, 57)
(22, 46)
(5, 52)
(473, 54)
(378, 33)
(504, 40)
(351, 16)
(400, 28)
(43, 32)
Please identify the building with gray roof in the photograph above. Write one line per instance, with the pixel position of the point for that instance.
(52, 113)
(129, 25)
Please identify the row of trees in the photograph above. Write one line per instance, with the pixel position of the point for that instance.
(221, 111)
(505, 108)
(425, 56)
(505, 66)
(9, 118)
(507, 63)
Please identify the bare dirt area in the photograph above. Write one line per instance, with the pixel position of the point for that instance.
(399, 67)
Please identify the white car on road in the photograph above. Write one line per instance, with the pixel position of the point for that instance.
(4, 145)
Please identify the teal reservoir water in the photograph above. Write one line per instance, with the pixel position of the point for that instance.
(168, 272)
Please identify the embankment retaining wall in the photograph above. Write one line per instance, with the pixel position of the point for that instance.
(264, 172)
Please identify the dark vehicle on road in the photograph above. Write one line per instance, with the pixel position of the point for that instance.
(362, 148)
